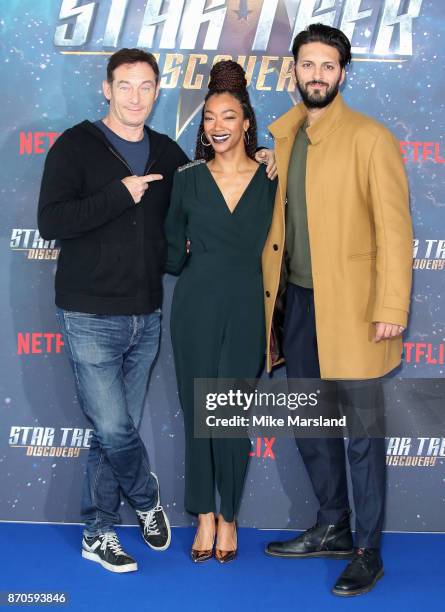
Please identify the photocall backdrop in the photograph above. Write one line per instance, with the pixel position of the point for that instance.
(53, 60)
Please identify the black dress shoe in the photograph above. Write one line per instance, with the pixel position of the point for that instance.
(361, 574)
(333, 541)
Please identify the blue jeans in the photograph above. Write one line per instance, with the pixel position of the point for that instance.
(111, 357)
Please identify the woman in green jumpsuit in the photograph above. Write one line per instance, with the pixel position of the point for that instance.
(217, 225)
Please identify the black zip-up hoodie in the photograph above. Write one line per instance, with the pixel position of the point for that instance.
(112, 251)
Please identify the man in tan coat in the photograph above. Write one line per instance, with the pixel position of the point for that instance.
(342, 218)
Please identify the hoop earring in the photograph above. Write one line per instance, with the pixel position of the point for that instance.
(246, 133)
(208, 144)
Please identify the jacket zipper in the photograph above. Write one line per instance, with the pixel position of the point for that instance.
(120, 159)
(325, 537)
(147, 168)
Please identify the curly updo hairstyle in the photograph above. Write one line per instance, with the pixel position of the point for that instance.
(227, 76)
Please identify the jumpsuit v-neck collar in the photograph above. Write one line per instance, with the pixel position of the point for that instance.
(220, 193)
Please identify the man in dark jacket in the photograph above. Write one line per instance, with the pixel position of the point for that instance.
(105, 192)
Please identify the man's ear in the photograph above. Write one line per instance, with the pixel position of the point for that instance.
(343, 76)
(106, 88)
(158, 89)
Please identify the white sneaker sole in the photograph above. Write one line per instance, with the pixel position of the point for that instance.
(119, 569)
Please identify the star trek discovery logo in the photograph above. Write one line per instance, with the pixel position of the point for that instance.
(415, 452)
(189, 36)
(429, 254)
(50, 441)
(33, 245)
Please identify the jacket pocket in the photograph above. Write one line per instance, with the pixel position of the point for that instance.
(360, 256)
(117, 271)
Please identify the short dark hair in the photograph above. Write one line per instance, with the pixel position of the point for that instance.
(318, 32)
(131, 56)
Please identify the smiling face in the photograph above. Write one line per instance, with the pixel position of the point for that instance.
(224, 122)
(318, 74)
(131, 94)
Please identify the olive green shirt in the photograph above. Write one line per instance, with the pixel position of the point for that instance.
(297, 234)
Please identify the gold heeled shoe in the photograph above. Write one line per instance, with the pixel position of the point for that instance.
(199, 556)
(224, 556)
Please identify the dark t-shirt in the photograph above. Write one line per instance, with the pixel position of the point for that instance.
(134, 153)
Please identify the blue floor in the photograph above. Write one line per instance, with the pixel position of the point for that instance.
(47, 558)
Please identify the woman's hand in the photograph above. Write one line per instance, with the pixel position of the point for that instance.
(267, 156)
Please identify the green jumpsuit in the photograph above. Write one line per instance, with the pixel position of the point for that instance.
(217, 317)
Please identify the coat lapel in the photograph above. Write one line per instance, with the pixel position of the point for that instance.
(284, 131)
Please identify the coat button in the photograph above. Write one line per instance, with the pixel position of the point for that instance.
(267, 293)
(275, 247)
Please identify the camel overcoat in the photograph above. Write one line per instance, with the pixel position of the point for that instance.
(360, 236)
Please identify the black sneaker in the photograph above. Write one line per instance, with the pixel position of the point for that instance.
(155, 526)
(106, 550)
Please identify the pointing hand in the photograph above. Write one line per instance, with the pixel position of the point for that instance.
(138, 185)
